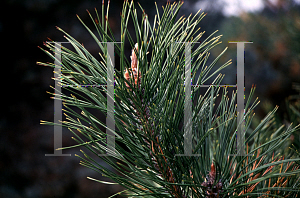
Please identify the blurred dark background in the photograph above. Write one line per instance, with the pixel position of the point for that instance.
(271, 62)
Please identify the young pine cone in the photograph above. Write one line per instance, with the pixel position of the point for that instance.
(211, 190)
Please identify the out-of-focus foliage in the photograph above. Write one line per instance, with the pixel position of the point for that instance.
(272, 61)
(293, 104)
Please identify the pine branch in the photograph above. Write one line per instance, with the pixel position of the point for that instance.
(143, 118)
(149, 110)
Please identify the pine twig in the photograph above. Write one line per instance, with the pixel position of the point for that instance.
(136, 78)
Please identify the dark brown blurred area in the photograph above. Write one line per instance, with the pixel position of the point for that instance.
(271, 62)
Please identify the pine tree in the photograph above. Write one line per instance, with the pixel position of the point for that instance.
(149, 112)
